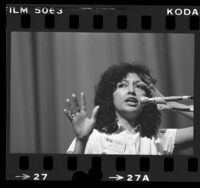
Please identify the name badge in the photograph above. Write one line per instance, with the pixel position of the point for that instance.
(114, 145)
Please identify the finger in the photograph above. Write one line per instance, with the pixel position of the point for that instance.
(151, 91)
(68, 114)
(94, 113)
(83, 102)
(69, 106)
(147, 87)
(148, 80)
(75, 105)
(160, 107)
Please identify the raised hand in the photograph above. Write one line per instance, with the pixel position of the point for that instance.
(155, 93)
(82, 124)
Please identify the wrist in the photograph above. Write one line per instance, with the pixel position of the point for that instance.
(80, 146)
(82, 141)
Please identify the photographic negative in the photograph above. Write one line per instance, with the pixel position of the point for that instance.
(99, 88)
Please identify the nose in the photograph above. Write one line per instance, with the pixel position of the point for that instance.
(131, 90)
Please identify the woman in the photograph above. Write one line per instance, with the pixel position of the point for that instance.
(119, 123)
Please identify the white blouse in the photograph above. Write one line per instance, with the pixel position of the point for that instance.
(129, 143)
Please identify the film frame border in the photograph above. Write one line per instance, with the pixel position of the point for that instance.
(49, 163)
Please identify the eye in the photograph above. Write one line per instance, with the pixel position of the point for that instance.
(141, 86)
(122, 84)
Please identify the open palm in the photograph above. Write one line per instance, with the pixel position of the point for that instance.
(82, 124)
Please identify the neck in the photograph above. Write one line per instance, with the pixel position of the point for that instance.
(128, 124)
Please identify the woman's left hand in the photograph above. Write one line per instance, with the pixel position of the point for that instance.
(153, 90)
(155, 93)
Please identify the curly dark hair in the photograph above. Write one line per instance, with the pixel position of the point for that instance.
(149, 118)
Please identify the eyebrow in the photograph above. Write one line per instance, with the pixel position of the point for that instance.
(134, 82)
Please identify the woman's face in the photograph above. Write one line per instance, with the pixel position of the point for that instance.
(127, 94)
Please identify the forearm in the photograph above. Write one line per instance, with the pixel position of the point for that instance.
(184, 137)
(179, 105)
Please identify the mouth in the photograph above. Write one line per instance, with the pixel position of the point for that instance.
(132, 101)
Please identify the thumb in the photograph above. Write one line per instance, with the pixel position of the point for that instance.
(94, 113)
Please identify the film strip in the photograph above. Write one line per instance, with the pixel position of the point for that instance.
(39, 165)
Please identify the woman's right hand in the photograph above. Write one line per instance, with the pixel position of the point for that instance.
(82, 124)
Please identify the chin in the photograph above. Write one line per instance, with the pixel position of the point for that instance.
(133, 109)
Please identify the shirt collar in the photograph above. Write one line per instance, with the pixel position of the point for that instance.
(133, 131)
